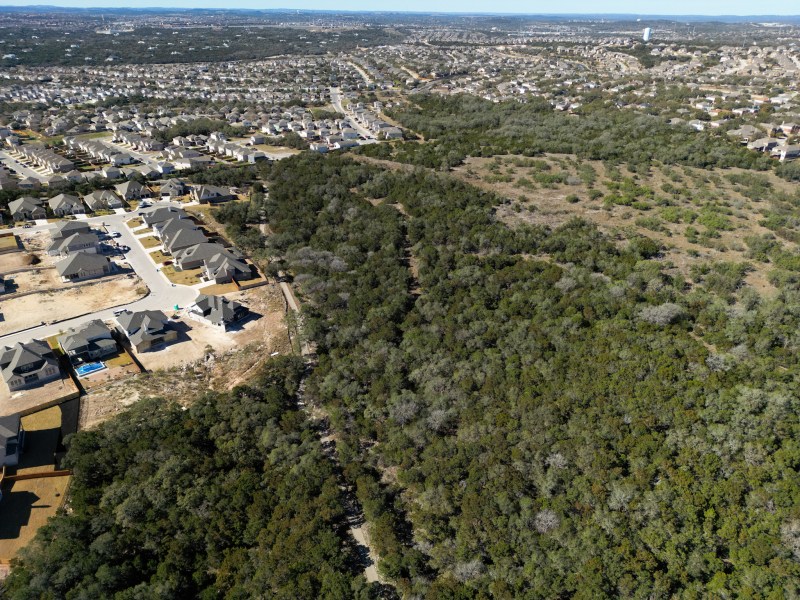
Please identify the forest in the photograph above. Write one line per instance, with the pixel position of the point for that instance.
(460, 126)
(194, 44)
(524, 412)
(550, 413)
(230, 497)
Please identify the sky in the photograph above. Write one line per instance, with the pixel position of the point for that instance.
(663, 7)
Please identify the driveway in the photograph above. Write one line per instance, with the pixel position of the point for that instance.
(163, 295)
(19, 168)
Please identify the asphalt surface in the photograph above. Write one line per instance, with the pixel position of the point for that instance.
(163, 294)
(13, 164)
(336, 100)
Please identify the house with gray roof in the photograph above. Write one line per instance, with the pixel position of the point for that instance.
(26, 208)
(88, 342)
(183, 238)
(102, 200)
(83, 265)
(76, 242)
(153, 216)
(12, 437)
(67, 228)
(147, 329)
(28, 365)
(211, 194)
(132, 190)
(173, 189)
(66, 204)
(224, 269)
(219, 311)
(195, 256)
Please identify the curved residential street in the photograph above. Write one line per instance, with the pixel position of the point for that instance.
(163, 294)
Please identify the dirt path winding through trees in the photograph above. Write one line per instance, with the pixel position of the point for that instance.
(357, 524)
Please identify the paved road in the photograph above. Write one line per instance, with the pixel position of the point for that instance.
(367, 79)
(336, 100)
(19, 168)
(163, 295)
(149, 160)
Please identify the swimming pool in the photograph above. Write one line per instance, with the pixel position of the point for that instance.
(89, 368)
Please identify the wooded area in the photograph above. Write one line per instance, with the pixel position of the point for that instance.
(525, 412)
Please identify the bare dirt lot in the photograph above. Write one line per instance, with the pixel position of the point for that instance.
(37, 243)
(19, 313)
(14, 261)
(36, 279)
(185, 370)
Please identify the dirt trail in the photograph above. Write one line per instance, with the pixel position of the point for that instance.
(357, 525)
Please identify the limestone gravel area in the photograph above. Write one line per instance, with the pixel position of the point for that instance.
(213, 360)
(71, 301)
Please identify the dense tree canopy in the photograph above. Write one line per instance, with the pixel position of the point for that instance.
(561, 415)
(231, 497)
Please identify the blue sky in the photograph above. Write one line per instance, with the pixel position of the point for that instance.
(664, 7)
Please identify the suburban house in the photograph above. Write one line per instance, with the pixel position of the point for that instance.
(218, 310)
(132, 190)
(183, 237)
(210, 194)
(221, 268)
(27, 365)
(76, 242)
(87, 342)
(153, 216)
(102, 200)
(173, 189)
(65, 204)
(29, 183)
(83, 265)
(784, 153)
(170, 227)
(146, 330)
(763, 144)
(196, 256)
(12, 438)
(219, 264)
(26, 208)
(72, 236)
(67, 228)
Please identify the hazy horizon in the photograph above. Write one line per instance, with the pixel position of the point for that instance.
(715, 8)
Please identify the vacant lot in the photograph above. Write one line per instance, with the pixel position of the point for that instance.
(14, 261)
(68, 302)
(39, 279)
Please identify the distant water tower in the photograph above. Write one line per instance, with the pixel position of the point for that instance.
(647, 33)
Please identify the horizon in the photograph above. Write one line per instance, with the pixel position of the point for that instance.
(613, 8)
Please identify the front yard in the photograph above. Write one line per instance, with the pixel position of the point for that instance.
(187, 277)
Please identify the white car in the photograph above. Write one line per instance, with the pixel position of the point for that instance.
(112, 233)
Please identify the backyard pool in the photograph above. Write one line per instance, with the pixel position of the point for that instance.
(89, 368)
